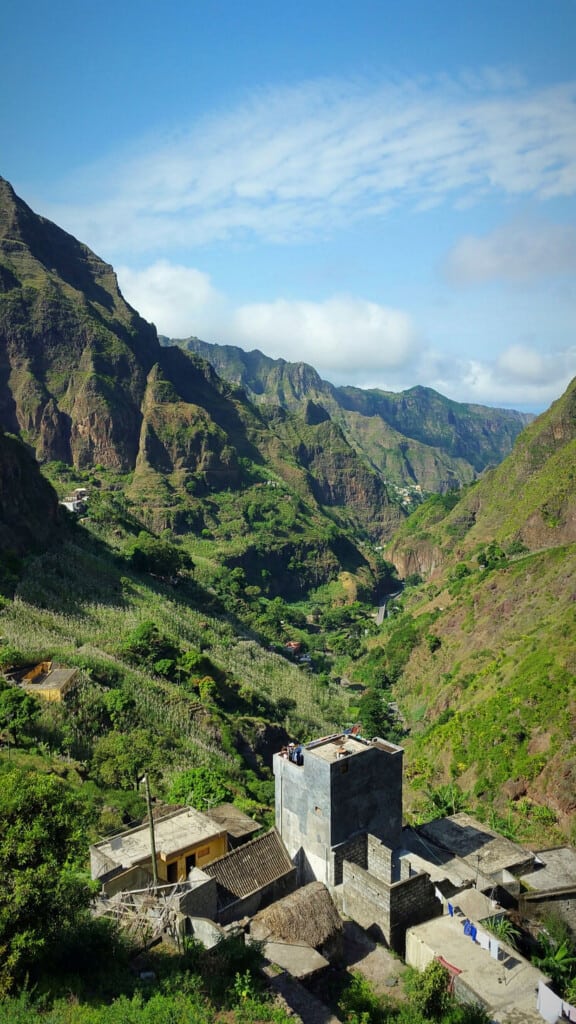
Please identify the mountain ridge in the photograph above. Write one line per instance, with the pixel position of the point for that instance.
(423, 438)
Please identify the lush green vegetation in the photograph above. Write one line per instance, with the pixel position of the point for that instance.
(428, 1000)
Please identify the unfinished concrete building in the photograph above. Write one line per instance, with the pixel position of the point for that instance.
(339, 812)
(344, 788)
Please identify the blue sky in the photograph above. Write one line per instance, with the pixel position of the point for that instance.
(385, 190)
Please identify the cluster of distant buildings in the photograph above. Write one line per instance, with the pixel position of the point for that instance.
(339, 850)
(77, 501)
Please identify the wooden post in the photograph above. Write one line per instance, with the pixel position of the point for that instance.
(152, 839)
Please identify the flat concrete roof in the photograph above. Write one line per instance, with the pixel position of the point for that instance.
(230, 817)
(510, 983)
(482, 849)
(425, 856)
(55, 679)
(341, 745)
(558, 870)
(178, 831)
(298, 959)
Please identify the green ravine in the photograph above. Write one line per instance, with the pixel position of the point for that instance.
(221, 524)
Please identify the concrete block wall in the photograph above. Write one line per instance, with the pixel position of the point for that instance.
(355, 851)
(366, 899)
(562, 904)
(379, 859)
(412, 901)
(198, 897)
(324, 803)
(388, 910)
(366, 796)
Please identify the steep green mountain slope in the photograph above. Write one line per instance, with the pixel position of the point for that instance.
(28, 506)
(274, 505)
(416, 437)
(85, 383)
(529, 500)
(482, 655)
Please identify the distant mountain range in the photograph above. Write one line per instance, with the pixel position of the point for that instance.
(413, 437)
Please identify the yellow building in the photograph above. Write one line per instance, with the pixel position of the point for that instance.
(49, 683)
(184, 839)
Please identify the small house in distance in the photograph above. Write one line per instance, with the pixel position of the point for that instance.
(77, 501)
(49, 682)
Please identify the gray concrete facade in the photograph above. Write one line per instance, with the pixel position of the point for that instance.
(345, 786)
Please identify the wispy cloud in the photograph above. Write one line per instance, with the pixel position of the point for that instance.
(520, 376)
(514, 253)
(294, 163)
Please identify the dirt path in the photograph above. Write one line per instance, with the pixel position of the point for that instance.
(380, 967)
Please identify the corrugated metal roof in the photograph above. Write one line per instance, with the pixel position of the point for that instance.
(250, 867)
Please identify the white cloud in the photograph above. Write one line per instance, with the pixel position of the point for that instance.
(293, 163)
(516, 253)
(341, 334)
(348, 340)
(519, 377)
(174, 297)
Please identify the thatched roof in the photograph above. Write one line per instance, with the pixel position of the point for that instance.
(305, 916)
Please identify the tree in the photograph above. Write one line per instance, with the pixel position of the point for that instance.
(121, 759)
(376, 716)
(558, 960)
(147, 645)
(201, 787)
(160, 557)
(18, 710)
(429, 990)
(42, 842)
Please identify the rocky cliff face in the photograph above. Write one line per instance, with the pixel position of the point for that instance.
(74, 356)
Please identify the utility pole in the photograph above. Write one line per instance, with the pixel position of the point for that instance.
(152, 839)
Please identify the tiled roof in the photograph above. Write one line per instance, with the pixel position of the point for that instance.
(249, 868)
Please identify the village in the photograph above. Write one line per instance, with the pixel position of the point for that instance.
(339, 869)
